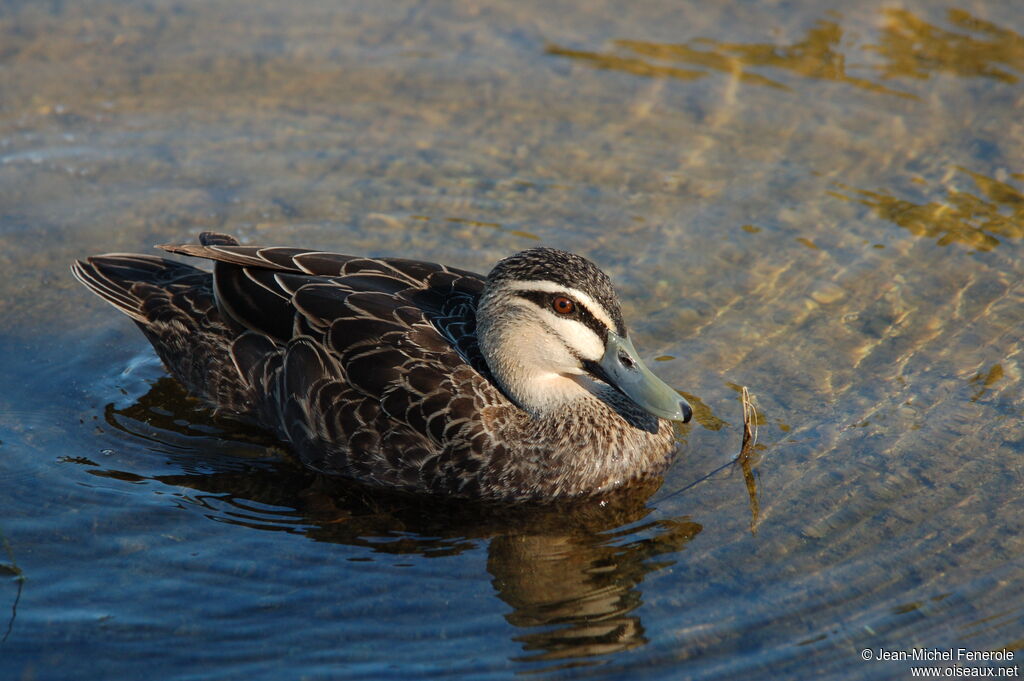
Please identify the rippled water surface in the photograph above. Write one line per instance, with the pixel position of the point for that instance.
(823, 202)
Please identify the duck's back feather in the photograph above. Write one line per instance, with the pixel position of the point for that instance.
(368, 367)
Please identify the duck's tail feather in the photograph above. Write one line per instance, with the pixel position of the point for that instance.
(173, 304)
(117, 278)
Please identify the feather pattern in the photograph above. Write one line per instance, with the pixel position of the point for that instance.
(371, 369)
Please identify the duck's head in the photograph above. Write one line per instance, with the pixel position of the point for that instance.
(549, 324)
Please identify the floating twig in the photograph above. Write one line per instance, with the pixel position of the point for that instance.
(13, 570)
(746, 456)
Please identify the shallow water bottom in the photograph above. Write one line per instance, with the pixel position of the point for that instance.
(820, 202)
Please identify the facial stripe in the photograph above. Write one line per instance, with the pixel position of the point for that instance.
(581, 314)
(595, 309)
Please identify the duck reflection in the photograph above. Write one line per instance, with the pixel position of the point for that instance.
(570, 572)
(577, 593)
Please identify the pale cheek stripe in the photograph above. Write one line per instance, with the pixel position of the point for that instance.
(570, 326)
(596, 309)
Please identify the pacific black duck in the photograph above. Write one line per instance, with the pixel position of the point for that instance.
(406, 374)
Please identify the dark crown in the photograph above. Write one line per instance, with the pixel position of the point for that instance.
(565, 269)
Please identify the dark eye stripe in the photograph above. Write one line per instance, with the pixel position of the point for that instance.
(581, 314)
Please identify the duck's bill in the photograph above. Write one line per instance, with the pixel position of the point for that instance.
(622, 368)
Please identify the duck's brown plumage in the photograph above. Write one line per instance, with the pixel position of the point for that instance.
(371, 369)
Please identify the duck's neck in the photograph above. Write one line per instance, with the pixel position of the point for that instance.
(593, 443)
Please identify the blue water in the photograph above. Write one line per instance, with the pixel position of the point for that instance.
(822, 203)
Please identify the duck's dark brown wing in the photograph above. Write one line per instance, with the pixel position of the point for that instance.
(369, 367)
(259, 288)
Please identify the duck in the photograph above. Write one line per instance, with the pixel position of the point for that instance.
(521, 385)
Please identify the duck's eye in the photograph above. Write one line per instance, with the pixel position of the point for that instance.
(562, 305)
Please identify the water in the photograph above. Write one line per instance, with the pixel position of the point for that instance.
(820, 202)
